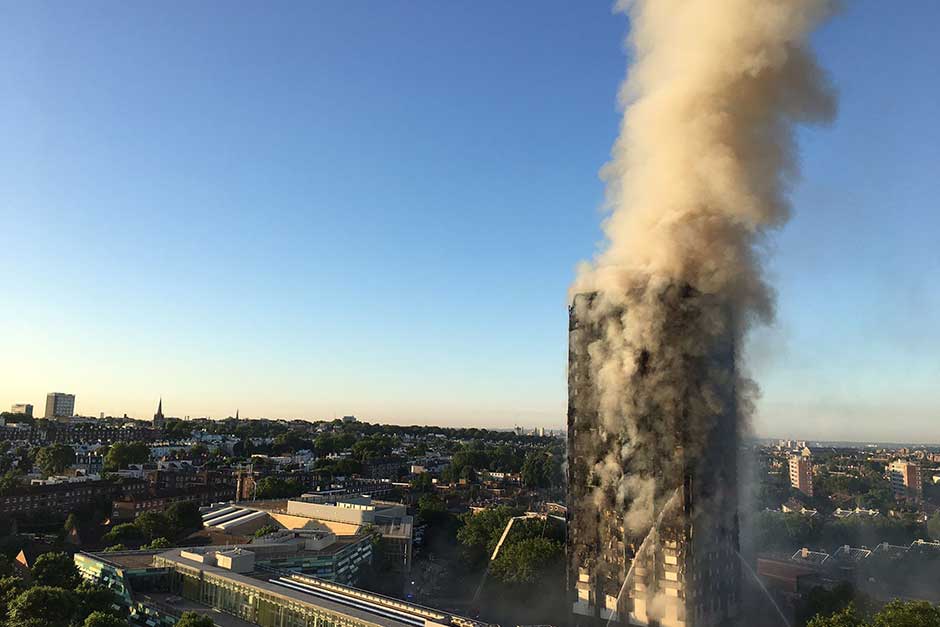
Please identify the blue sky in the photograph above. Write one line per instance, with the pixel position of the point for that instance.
(311, 209)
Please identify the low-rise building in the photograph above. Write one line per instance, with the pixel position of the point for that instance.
(787, 576)
(129, 507)
(60, 479)
(810, 558)
(793, 506)
(62, 498)
(347, 515)
(847, 556)
(858, 511)
(382, 468)
(168, 476)
(94, 431)
(233, 588)
(501, 477)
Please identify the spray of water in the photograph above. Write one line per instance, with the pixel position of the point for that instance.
(648, 541)
(783, 617)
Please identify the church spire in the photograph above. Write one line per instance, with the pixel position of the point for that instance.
(236, 414)
(158, 420)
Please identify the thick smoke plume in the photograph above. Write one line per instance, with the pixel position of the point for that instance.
(700, 173)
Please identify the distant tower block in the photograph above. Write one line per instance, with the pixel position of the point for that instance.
(801, 473)
(688, 572)
(23, 408)
(59, 405)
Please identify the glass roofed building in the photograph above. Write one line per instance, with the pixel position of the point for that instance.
(236, 589)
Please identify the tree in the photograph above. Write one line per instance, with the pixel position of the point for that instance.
(103, 619)
(55, 569)
(419, 449)
(846, 617)
(291, 442)
(468, 474)
(184, 516)
(933, 526)
(157, 543)
(371, 448)
(450, 474)
(125, 533)
(92, 598)
(10, 588)
(895, 614)
(199, 451)
(505, 459)
(11, 418)
(423, 483)
(821, 601)
(344, 466)
(154, 524)
(24, 459)
(71, 522)
(42, 606)
(10, 481)
(177, 429)
(121, 454)
(114, 548)
(879, 497)
(907, 614)
(192, 619)
(54, 459)
(431, 508)
(483, 529)
(277, 488)
(787, 532)
(526, 561)
(473, 456)
(263, 531)
(533, 475)
(541, 470)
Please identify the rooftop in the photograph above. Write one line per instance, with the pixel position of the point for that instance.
(327, 596)
(305, 542)
(399, 527)
(890, 551)
(128, 559)
(176, 605)
(805, 556)
(925, 546)
(847, 553)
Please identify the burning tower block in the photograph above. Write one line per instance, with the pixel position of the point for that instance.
(652, 530)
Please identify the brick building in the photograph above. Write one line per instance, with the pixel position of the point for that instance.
(63, 498)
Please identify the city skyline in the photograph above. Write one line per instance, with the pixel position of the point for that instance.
(308, 237)
(529, 425)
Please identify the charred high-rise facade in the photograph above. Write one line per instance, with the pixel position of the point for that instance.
(652, 447)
